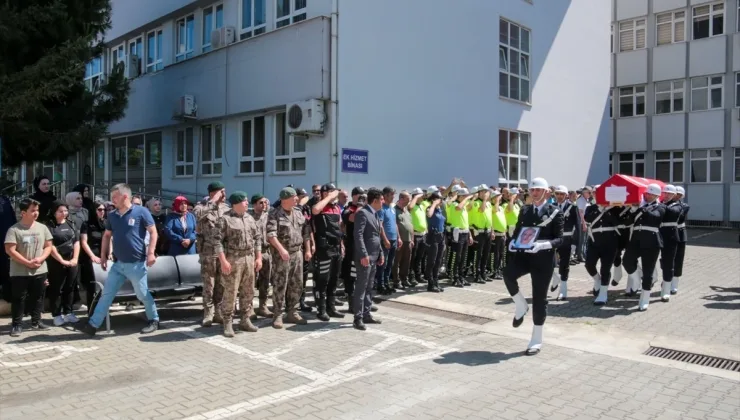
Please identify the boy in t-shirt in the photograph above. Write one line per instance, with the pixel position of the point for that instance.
(28, 244)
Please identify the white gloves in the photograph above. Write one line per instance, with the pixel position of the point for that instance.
(573, 249)
(540, 246)
(511, 247)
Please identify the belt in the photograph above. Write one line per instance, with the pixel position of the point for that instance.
(604, 229)
(669, 224)
(682, 226)
(495, 233)
(419, 233)
(647, 228)
(571, 233)
(622, 227)
(477, 232)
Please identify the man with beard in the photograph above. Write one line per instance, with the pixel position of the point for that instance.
(349, 272)
(326, 218)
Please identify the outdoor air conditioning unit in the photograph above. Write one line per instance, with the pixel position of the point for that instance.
(307, 117)
(186, 108)
(133, 66)
(222, 37)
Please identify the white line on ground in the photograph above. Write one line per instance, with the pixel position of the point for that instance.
(295, 343)
(16, 350)
(704, 235)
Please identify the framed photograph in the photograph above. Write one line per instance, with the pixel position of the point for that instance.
(527, 238)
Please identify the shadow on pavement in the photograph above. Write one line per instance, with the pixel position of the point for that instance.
(475, 358)
(723, 301)
(583, 306)
(714, 238)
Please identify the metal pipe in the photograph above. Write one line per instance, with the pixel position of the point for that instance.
(334, 102)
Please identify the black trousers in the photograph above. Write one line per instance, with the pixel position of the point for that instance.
(62, 283)
(668, 259)
(564, 257)
(678, 262)
(435, 243)
(349, 274)
(624, 238)
(498, 246)
(417, 255)
(326, 273)
(648, 257)
(27, 290)
(539, 267)
(87, 281)
(482, 253)
(459, 255)
(603, 251)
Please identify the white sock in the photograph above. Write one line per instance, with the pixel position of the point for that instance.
(631, 282)
(555, 280)
(674, 284)
(665, 290)
(603, 294)
(536, 342)
(597, 281)
(563, 290)
(617, 274)
(644, 300)
(521, 305)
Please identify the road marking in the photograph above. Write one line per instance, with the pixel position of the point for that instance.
(485, 292)
(293, 344)
(704, 235)
(63, 351)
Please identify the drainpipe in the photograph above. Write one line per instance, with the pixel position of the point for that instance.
(333, 103)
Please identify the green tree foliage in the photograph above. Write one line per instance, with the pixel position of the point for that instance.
(46, 112)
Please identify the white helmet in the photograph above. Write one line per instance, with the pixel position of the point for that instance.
(539, 183)
(463, 191)
(474, 189)
(433, 189)
(416, 191)
(455, 189)
(669, 189)
(653, 189)
(561, 189)
(680, 190)
(482, 187)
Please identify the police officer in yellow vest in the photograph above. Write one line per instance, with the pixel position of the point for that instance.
(418, 209)
(480, 215)
(457, 217)
(498, 235)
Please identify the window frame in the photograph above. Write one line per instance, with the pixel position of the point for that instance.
(711, 14)
(115, 59)
(294, 16)
(634, 161)
(207, 46)
(189, 49)
(672, 92)
(92, 80)
(251, 157)
(525, 57)
(736, 164)
(519, 157)
(158, 63)
(708, 159)
(253, 30)
(214, 161)
(634, 95)
(710, 86)
(635, 28)
(737, 89)
(672, 160)
(673, 22)
(139, 51)
(185, 163)
(292, 154)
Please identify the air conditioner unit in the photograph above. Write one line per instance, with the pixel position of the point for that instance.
(186, 108)
(222, 37)
(133, 66)
(307, 117)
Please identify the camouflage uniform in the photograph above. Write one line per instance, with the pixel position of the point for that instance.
(291, 230)
(263, 279)
(237, 236)
(207, 215)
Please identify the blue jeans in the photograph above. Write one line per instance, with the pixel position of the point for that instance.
(383, 274)
(119, 273)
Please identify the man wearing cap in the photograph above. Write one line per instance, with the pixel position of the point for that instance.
(238, 241)
(535, 260)
(259, 212)
(682, 239)
(207, 213)
(418, 209)
(405, 228)
(326, 219)
(671, 238)
(435, 242)
(481, 222)
(645, 241)
(498, 235)
(571, 239)
(583, 201)
(603, 243)
(288, 233)
(457, 217)
(349, 272)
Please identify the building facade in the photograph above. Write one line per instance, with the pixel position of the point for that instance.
(676, 79)
(413, 93)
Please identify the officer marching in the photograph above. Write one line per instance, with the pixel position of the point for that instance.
(571, 238)
(238, 241)
(669, 233)
(603, 245)
(682, 239)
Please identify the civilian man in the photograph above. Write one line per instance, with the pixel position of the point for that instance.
(368, 256)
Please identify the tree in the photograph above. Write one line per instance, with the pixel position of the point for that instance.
(46, 112)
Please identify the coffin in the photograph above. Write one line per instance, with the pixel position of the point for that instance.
(624, 189)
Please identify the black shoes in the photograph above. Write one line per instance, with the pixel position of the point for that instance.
(359, 325)
(370, 320)
(85, 327)
(40, 326)
(151, 327)
(16, 331)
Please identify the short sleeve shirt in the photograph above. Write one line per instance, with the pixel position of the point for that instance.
(29, 242)
(129, 233)
(405, 226)
(387, 217)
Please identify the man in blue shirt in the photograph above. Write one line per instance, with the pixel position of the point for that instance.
(389, 240)
(129, 226)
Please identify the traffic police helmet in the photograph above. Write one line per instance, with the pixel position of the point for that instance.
(539, 183)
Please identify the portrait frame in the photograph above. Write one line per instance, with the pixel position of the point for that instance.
(527, 237)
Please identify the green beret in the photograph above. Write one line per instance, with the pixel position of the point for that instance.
(215, 186)
(256, 198)
(237, 197)
(287, 192)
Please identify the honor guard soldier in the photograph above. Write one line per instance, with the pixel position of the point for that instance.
(457, 217)
(533, 255)
(287, 232)
(481, 222)
(259, 211)
(645, 241)
(326, 218)
(207, 213)
(682, 239)
(239, 248)
(625, 223)
(669, 233)
(603, 243)
(571, 237)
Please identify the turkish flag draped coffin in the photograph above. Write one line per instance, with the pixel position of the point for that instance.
(624, 189)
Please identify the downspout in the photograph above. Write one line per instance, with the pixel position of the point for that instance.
(333, 103)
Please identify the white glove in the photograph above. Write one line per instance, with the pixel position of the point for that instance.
(540, 246)
(511, 247)
(573, 249)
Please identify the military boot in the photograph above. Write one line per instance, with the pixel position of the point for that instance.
(207, 317)
(294, 318)
(246, 325)
(321, 303)
(217, 316)
(262, 309)
(228, 329)
(277, 320)
(303, 305)
(331, 309)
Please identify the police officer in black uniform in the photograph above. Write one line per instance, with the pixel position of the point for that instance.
(326, 218)
(571, 239)
(603, 243)
(534, 259)
(625, 223)
(669, 233)
(682, 239)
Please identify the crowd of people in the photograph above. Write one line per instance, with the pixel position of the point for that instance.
(368, 241)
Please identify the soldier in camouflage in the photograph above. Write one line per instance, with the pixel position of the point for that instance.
(239, 247)
(287, 232)
(260, 207)
(207, 213)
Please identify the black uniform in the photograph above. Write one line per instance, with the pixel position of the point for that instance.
(669, 233)
(682, 239)
(625, 223)
(349, 273)
(328, 237)
(645, 241)
(481, 249)
(571, 236)
(62, 279)
(538, 265)
(603, 239)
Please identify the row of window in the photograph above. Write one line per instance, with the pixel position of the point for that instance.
(707, 20)
(513, 157)
(705, 166)
(514, 61)
(149, 47)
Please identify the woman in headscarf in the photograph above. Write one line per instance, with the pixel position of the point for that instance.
(180, 228)
(63, 268)
(78, 215)
(43, 194)
(91, 241)
(160, 219)
(87, 202)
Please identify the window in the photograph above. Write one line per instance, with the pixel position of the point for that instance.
(94, 74)
(253, 17)
(632, 164)
(737, 165)
(611, 44)
(707, 92)
(631, 35)
(513, 157)
(290, 150)
(154, 51)
(737, 89)
(289, 11)
(706, 165)
(671, 27)
(631, 101)
(213, 18)
(136, 48)
(185, 33)
(118, 55)
(211, 149)
(669, 97)
(252, 156)
(669, 167)
(513, 58)
(184, 153)
(708, 20)
(611, 164)
(611, 103)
